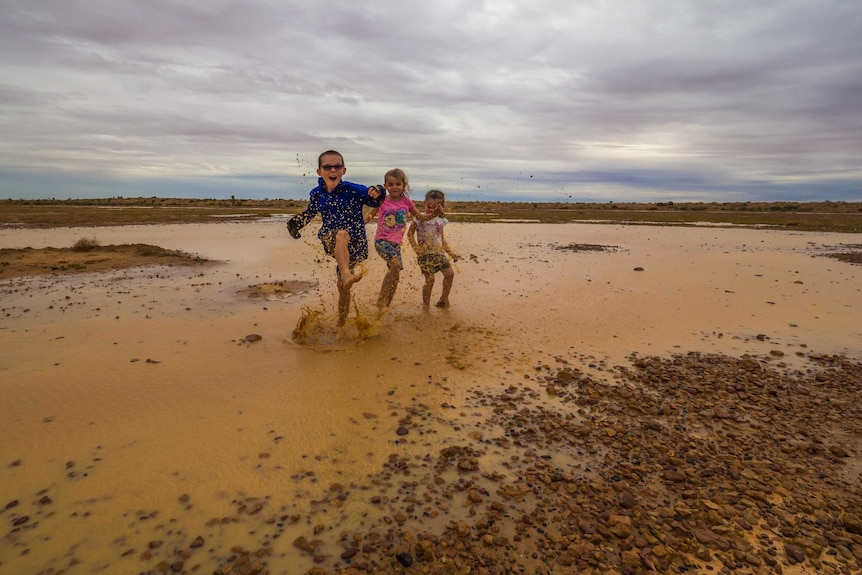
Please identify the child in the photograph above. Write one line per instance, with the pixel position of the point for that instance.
(339, 204)
(391, 224)
(430, 245)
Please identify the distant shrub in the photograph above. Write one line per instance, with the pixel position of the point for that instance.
(148, 250)
(85, 245)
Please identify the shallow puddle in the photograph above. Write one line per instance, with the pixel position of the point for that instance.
(139, 416)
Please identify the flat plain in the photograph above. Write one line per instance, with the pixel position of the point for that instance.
(603, 396)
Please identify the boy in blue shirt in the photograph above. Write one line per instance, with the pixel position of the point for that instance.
(342, 234)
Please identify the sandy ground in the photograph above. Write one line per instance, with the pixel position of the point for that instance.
(136, 410)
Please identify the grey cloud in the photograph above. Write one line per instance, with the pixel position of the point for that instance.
(721, 90)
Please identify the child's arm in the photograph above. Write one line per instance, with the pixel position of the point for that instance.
(424, 216)
(411, 236)
(377, 194)
(300, 220)
(372, 196)
(455, 257)
(371, 214)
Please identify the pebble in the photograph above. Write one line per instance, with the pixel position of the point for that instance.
(690, 463)
(668, 470)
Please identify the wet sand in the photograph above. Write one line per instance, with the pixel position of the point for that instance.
(138, 416)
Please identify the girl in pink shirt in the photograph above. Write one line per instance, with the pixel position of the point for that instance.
(391, 225)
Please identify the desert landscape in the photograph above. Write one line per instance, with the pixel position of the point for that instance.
(601, 397)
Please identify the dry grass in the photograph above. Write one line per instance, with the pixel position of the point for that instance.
(85, 245)
(813, 216)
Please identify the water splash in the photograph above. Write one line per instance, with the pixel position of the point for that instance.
(317, 329)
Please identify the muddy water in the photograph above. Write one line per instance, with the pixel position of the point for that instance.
(136, 416)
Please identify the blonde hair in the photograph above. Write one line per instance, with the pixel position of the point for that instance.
(398, 174)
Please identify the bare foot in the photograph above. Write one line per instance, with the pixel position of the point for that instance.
(340, 333)
(442, 303)
(347, 282)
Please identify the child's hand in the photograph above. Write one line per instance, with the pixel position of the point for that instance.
(293, 227)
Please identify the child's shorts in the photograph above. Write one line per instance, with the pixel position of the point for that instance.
(389, 250)
(328, 241)
(433, 263)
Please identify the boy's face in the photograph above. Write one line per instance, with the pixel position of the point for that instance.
(331, 170)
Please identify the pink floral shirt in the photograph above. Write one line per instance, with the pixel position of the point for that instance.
(392, 219)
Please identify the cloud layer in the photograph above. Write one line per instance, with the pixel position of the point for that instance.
(582, 100)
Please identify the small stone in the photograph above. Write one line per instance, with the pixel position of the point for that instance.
(852, 523)
(631, 561)
(795, 553)
(405, 559)
(252, 509)
(252, 338)
(621, 525)
(627, 500)
(402, 430)
(839, 451)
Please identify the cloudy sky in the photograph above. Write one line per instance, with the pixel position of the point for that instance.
(547, 100)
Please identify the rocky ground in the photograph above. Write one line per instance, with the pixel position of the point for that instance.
(690, 464)
(852, 254)
(698, 463)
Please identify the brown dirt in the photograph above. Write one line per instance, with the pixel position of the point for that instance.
(277, 289)
(849, 257)
(54, 261)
